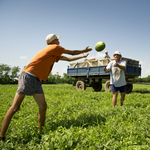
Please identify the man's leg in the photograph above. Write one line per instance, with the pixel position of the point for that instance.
(12, 110)
(40, 99)
(122, 98)
(114, 99)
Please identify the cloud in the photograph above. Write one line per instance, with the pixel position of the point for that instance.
(99, 55)
(54, 71)
(147, 71)
(64, 70)
(23, 57)
(60, 72)
(142, 63)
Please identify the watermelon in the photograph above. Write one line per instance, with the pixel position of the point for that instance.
(99, 46)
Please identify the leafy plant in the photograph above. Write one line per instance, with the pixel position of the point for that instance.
(77, 120)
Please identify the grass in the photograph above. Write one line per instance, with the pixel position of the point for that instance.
(79, 120)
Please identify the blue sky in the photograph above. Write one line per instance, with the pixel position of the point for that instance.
(124, 25)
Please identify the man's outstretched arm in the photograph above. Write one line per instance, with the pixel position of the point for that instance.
(77, 52)
(73, 58)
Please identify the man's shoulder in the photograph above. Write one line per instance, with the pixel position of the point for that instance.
(122, 61)
(55, 47)
(113, 62)
(59, 47)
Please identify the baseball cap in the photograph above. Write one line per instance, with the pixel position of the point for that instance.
(51, 37)
(118, 53)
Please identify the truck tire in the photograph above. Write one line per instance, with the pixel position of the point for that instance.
(80, 85)
(74, 83)
(97, 87)
(107, 85)
(129, 87)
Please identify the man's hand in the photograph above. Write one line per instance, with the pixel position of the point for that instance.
(119, 66)
(85, 55)
(116, 65)
(87, 49)
(105, 70)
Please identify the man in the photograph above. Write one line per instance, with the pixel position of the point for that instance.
(34, 74)
(117, 77)
(106, 56)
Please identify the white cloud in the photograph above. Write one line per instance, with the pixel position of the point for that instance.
(23, 57)
(54, 71)
(99, 55)
(60, 72)
(147, 71)
(142, 63)
(64, 70)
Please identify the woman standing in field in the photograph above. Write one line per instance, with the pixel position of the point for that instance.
(34, 74)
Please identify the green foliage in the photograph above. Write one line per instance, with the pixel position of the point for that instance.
(8, 75)
(79, 120)
(145, 79)
(56, 78)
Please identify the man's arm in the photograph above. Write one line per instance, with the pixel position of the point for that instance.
(64, 58)
(77, 52)
(105, 70)
(119, 66)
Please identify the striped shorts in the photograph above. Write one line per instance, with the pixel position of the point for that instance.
(29, 84)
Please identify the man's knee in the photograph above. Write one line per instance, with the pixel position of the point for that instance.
(122, 94)
(115, 93)
(43, 107)
(14, 109)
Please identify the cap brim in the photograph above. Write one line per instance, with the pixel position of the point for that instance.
(117, 54)
(58, 37)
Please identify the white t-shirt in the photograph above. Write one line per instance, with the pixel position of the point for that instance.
(106, 56)
(117, 76)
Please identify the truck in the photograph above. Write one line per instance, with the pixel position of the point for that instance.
(89, 73)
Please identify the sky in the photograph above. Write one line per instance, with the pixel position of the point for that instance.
(124, 25)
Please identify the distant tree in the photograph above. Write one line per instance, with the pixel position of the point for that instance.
(50, 79)
(5, 74)
(14, 72)
(65, 75)
(57, 78)
(8, 74)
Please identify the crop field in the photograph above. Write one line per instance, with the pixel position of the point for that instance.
(78, 120)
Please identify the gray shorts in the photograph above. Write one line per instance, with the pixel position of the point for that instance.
(29, 85)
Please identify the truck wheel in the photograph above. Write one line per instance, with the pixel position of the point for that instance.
(129, 88)
(97, 87)
(74, 83)
(80, 85)
(107, 85)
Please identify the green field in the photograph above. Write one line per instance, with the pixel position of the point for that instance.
(80, 120)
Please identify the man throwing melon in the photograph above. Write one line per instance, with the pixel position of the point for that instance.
(34, 74)
(117, 77)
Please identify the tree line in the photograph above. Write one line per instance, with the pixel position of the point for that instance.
(10, 75)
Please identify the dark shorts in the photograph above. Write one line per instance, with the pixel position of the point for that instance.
(122, 89)
(29, 85)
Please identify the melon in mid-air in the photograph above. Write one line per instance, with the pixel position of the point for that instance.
(99, 46)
